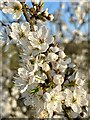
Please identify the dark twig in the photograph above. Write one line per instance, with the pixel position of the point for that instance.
(27, 16)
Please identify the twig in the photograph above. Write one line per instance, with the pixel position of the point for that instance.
(27, 16)
(65, 112)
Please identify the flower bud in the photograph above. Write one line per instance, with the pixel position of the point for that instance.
(46, 12)
(45, 67)
(50, 17)
(52, 56)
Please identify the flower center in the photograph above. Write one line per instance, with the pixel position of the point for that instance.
(53, 99)
(21, 34)
(16, 8)
(41, 41)
(74, 100)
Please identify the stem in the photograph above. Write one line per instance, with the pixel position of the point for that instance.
(70, 84)
(65, 112)
(27, 16)
(48, 76)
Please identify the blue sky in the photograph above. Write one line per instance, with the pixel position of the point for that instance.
(52, 7)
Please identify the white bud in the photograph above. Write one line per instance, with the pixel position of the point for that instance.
(51, 17)
(45, 67)
(47, 97)
(46, 12)
(62, 54)
(52, 56)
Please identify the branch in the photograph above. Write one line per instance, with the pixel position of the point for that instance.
(27, 16)
(66, 114)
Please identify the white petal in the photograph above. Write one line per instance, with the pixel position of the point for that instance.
(45, 67)
(13, 35)
(47, 97)
(16, 15)
(52, 56)
(15, 27)
(44, 32)
(25, 27)
(49, 39)
(74, 115)
(22, 72)
(44, 47)
(62, 54)
(6, 9)
(61, 96)
(68, 61)
(50, 109)
(76, 108)
(59, 107)
(54, 49)
(58, 79)
(23, 90)
(69, 93)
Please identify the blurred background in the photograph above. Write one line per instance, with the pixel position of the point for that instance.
(71, 27)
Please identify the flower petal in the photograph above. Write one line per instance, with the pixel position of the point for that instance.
(76, 108)
(44, 47)
(49, 39)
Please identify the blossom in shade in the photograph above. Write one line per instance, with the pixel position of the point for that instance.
(14, 8)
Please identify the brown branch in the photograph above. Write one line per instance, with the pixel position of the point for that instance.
(27, 16)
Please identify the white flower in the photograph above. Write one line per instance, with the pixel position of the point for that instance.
(26, 79)
(75, 99)
(40, 39)
(45, 67)
(20, 33)
(14, 8)
(53, 100)
(52, 56)
(58, 79)
(71, 101)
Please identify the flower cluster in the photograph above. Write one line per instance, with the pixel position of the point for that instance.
(47, 78)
